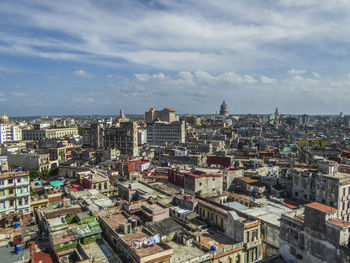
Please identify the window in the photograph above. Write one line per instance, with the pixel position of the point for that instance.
(296, 194)
(12, 203)
(10, 181)
(292, 250)
(20, 202)
(11, 192)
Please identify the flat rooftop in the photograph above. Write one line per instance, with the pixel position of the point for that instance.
(270, 212)
(184, 252)
(142, 251)
(213, 238)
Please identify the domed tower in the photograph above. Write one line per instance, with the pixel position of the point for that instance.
(4, 119)
(224, 110)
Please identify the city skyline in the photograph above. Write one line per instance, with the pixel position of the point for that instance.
(87, 58)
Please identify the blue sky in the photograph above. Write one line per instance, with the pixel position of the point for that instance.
(97, 57)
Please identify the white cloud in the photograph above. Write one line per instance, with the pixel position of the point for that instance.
(2, 97)
(225, 78)
(82, 74)
(185, 75)
(147, 77)
(298, 78)
(296, 72)
(316, 75)
(267, 80)
(19, 94)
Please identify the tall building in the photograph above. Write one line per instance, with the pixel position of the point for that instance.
(303, 119)
(10, 133)
(328, 187)
(123, 138)
(162, 133)
(314, 234)
(14, 192)
(224, 110)
(277, 116)
(167, 114)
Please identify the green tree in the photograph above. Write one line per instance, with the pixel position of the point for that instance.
(33, 173)
(53, 171)
(44, 174)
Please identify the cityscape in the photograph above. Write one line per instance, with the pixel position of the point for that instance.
(174, 131)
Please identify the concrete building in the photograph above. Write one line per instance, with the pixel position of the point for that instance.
(91, 180)
(167, 115)
(36, 161)
(303, 119)
(14, 192)
(328, 187)
(123, 138)
(38, 134)
(92, 135)
(314, 234)
(237, 226)
(134, 243)
(162, 133)
(10, 133)
(200, 181)
(142, 136)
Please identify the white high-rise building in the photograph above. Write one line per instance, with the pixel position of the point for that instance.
(162, 133)
(9, 133)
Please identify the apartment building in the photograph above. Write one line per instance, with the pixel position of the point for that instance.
(163, 133)
(10, 133)
(167, 115)
(14, 192)
(123, 138)
(40, 134)
(314, 234)
(36, 161)
(327, 186)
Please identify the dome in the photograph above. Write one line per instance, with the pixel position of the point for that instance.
(4, 119)
(224, 109)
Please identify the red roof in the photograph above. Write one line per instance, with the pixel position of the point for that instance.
(322, 207)
(339, 223)
(169, 109)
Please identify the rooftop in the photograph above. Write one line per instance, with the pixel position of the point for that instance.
(321, 207)
(142, 252)
(340, 223)
(185, 252)
(62, 236)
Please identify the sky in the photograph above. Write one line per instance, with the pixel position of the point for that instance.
(97, 57)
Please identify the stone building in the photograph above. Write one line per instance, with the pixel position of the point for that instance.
(224, 110)
(314, 234)
(167, 115)
(123, 138)
(327, 186)
(40, 134)
(36, 161)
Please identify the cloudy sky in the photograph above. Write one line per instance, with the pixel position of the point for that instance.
(97, 57)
